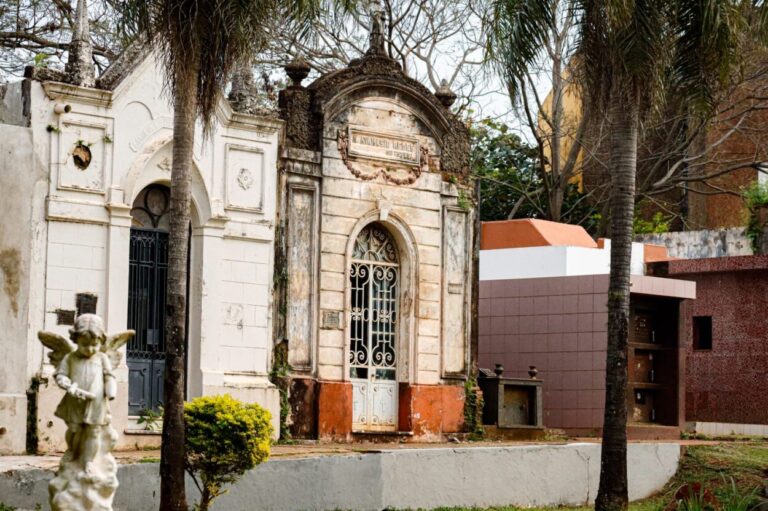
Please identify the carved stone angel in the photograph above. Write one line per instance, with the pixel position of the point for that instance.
(87, 476)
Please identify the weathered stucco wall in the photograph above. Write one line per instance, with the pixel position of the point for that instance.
(414, 214)
(23, 182)
(525, 476)
(81, 224)
(702, 244)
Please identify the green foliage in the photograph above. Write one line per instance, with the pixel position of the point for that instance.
(756, 200)
(519, 32)
(473, 409)
(464, 201)
(508, 169)
(756, 196)
(656, 225)
(225, 438)
(151, 419)
(280, 377)
(732, 498)
(40, 61)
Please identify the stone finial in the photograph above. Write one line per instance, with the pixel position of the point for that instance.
(297, 70)
(243, 96)
(445, 95)
(376, 38)
(79, 68)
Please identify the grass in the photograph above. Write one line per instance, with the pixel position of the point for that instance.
(734, 472)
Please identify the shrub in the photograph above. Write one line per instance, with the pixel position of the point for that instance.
(225, 438)
(756, 199)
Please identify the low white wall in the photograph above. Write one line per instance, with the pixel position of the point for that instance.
(725, 428)
(702, 244)
(552, 261)
(530, 475)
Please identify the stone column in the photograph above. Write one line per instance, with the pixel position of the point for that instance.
(116, 306)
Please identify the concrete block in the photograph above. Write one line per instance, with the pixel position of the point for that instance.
(334, 243)
(331, 338)
(346, 207)
(331, 356)
(333, 300)
(332, 262)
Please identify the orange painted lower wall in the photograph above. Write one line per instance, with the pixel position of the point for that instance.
(435, 410)
(334, 411)
(428, 411)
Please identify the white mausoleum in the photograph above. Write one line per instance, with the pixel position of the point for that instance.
(84, 177)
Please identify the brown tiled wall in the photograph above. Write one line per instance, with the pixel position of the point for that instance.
(560, 326)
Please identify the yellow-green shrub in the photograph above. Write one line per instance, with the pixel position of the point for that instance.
(225, 438)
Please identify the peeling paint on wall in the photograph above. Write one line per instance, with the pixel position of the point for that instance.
(10, 265)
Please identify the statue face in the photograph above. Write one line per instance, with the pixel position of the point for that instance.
(87, 345)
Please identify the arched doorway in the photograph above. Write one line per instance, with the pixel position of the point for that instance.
(148, 274)
(374, 285)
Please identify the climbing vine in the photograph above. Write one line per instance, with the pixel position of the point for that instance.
(756, 199)
(473, 409)
(279, 376)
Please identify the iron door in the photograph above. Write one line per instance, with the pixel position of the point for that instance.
(148, 275)
(373, 332)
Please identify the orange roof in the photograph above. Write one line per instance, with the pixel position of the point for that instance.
(529, 232)
(655, 253)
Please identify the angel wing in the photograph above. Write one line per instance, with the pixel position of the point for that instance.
(58, 345)
(113, 344)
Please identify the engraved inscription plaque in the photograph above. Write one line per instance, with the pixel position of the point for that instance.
(383, 146)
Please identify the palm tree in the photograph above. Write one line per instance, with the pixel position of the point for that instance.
(629, 54)
(200, 44)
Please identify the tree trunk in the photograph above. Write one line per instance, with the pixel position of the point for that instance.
(172, 457)
(612, 492)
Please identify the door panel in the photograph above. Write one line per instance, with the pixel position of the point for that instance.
(148, 263)
(372, 356)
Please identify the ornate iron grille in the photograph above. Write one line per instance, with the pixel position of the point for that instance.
(374, 284)
(148, 269)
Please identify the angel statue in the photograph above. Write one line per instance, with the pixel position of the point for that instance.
(87, 475)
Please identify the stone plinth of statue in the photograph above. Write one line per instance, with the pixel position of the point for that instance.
(87, 475)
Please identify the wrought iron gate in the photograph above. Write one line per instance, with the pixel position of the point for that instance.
(373, 335)
(148, 267)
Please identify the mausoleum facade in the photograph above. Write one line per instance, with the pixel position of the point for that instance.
(333, 244)
(87, 171)
(377, 224)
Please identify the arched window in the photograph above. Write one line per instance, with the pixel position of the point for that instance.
(150, 209)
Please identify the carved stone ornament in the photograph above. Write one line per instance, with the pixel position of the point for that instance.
(245, 179)
(165, 164)
(367, 168)
(87, 474)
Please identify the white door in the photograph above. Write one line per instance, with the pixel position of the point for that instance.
(373, 334)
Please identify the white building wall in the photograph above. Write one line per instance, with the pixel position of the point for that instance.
(552, 261)
(83, 245)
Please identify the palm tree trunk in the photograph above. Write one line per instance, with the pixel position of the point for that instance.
(612, 492)
(172, 460)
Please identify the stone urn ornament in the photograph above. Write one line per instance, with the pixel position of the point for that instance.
(87, 474)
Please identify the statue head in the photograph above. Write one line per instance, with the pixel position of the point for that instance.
(88, 333)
